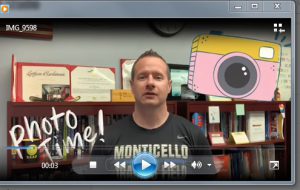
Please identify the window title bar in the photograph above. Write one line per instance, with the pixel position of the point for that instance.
(146, 9)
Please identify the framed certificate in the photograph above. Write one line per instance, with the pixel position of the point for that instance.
(31, 77)
(92, 84)
(126, 67)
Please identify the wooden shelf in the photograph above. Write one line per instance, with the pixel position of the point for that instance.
(249, 145)
(20, 109)
(202, 106)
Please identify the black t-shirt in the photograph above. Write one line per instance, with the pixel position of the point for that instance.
(176, 136)
(177, 140)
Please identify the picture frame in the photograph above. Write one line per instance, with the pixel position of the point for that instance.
(179, 76)
(216, 138)
(125, 67)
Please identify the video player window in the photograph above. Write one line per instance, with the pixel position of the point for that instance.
(176, 99)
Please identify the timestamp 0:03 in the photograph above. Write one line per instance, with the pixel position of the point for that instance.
(49, 165)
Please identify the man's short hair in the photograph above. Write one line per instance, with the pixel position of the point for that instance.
(149, 53)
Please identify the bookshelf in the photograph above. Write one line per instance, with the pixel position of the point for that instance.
(115, 111)
(281, 146)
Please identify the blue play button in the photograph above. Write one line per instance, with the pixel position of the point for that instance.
(144, 165)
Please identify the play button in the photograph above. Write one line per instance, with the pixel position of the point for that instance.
(144, 165)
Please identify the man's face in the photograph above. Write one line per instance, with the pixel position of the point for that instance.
(150, 84)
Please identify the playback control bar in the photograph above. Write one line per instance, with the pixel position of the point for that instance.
(145, 165)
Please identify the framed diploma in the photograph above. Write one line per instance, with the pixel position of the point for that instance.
(30, 78)
(179, 76)
(92, 84)
(126, 66)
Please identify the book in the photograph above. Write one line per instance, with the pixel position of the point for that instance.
(65, 149)
(275, 125)
(273, 121)
(267, 132)
(252, 164)
(268, 155)
(199, 119)
(92, 124)
(256, 126)
(225, 124)
(223, 166)
(239, 123)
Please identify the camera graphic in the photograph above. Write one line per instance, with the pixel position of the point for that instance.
(234, 67)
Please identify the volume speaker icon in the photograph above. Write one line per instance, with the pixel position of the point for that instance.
(196, 165)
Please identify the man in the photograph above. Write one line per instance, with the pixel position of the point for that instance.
(151, 128)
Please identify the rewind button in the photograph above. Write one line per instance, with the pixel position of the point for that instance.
(120, 165)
